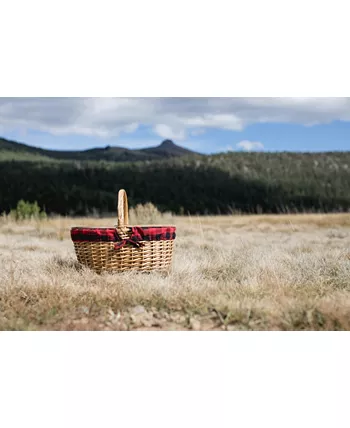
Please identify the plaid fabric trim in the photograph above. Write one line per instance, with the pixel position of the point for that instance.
(138, 234)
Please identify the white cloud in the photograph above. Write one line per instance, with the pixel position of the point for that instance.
(249, 146)
(168, 117)
(166, 131)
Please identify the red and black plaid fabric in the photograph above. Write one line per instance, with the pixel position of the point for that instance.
(138, 234)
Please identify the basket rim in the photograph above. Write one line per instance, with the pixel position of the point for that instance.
(127, 226)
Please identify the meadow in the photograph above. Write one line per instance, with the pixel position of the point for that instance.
(235, 272)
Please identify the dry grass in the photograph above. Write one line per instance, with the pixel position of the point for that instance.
(287, 272)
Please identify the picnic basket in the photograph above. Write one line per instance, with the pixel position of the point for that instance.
(124, 247)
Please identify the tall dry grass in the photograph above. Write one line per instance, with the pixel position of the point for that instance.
(286, 272)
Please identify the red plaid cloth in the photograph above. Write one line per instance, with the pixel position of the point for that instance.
(138, 234)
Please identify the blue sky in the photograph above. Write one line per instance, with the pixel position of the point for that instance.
(206, 125)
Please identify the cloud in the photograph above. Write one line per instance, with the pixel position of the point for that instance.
(166, 131)
(174, 118)
(249, 146)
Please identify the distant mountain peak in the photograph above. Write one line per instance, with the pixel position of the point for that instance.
(168, 149)
(167, 144)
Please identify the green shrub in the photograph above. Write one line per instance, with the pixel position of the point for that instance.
(26, 210)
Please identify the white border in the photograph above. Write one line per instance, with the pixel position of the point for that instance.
(184, 48)
(174, 379)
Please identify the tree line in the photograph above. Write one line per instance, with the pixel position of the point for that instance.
(217, 184)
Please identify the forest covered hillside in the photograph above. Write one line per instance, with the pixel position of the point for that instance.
(180, 182)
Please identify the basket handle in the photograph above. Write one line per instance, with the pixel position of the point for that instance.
(123, 212)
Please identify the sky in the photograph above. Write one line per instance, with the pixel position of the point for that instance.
(205, 125)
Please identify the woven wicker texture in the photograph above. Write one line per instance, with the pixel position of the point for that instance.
(103, 256)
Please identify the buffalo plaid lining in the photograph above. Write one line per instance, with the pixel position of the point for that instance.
(138, 234)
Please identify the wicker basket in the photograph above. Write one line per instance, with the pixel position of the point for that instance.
(124, 247)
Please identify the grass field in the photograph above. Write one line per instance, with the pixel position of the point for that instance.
(286, 272)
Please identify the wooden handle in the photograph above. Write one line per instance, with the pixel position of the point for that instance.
(123, 211)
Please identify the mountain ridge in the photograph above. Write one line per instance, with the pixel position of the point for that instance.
(166, 149)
